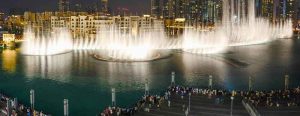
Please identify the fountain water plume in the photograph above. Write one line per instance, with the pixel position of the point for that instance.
(114, 43)
(84, 43)
(204, 42)
(239, 27)
(47, 43)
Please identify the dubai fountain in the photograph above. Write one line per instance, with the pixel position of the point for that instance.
(115, 44)
(239, 26)
(47, 43)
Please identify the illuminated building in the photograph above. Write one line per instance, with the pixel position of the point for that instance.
(277, 10)
(194, 11)
(268, 9)
(83, 25)
(291, 9)
(8, 38)
(155, 8)
(15, 24)
(1, 20)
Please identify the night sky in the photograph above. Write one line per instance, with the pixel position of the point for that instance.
(139, 6)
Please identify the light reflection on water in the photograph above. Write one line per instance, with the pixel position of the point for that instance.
(9, 60)
(57, 67)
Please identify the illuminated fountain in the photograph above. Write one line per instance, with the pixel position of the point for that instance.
(41, 43)
(236, 29)
(204, 42)
(115, 44)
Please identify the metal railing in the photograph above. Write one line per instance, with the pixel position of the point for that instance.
(250, 108)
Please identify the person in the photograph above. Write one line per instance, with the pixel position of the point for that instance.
(41, 113)
(118, 112)
(187, 112)
(28, 112)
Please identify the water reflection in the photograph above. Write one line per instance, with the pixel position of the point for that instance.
(82, 63)
(57, 67)
(81, 68)
(9, 60)
(197, 69)
(125, 76)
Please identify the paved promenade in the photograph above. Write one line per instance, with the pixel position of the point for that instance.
(280, 111)
(200, 105)
(214, 102)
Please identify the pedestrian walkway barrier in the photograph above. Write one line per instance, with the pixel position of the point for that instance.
(250, 109)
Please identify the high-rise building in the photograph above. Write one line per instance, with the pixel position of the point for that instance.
(285, 9)
(267, 9)
(174, 8)
(156, 8)
(64, 5)
(104, 6)
(291, 8)
(298, 9)
(1, 20)
(179, 8)
(192, 10)
(167, 8)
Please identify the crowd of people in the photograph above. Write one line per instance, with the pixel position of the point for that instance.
(184, 91)
(274, 98)
(218, 95)
(16, 109)
(147, 103)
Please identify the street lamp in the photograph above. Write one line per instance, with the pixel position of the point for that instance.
(173, 79)
(286, 82)
(66, 107)
(113, 96)
(146, 88)
(250, 83)
(190, 101)
(210, 82)
(32, 98)
(231, 105)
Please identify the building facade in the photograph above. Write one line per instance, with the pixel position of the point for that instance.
(194, 11)
(156, 8)
(278, 10)
(85, 25)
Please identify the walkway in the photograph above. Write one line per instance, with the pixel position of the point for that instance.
(279, 111)
(200, 105)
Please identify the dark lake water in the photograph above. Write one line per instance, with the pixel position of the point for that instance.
(87, 82)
